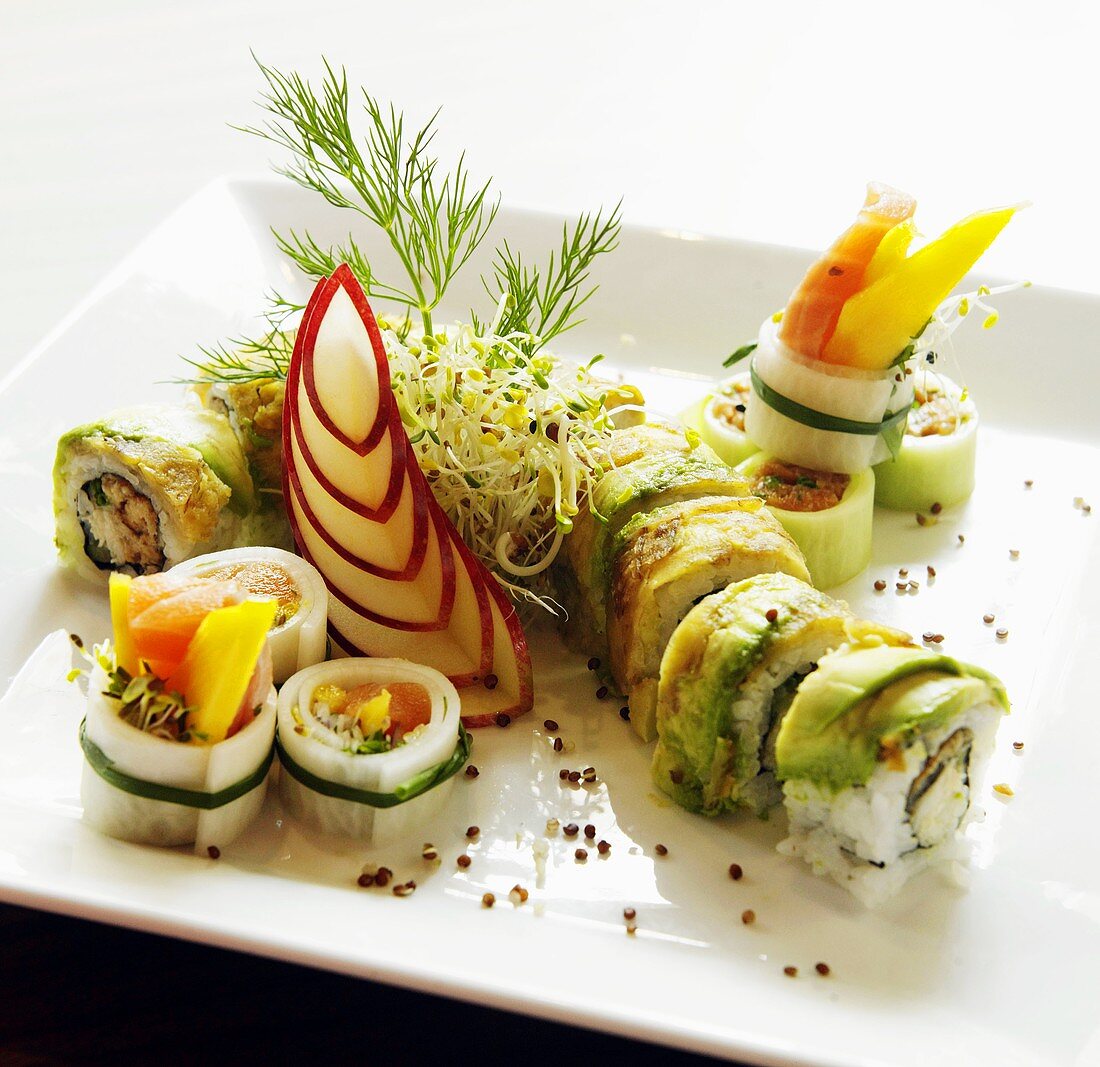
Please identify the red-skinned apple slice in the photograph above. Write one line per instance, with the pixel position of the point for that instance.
(358, 503)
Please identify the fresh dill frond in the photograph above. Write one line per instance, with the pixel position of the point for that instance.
(434, 221)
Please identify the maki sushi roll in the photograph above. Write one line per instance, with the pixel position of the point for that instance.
(719, 419)
(936, 461)
(147, 487)
(830, 516)
(881, 755)
(728, 676)
(180, 720)
(298, 636)
(369, 747)
(665, 561)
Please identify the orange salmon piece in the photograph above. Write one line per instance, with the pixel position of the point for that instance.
(814, 308)
(410, 705)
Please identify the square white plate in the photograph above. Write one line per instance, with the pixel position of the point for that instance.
(1005, 972)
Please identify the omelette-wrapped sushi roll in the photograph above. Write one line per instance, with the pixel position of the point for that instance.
(180, 723)
(830, 516)
(936, 461)
(727, 676)
(147, 487)
(650, 480)
(298, 634)
(665, 561)
(369, 747)
(881, 755)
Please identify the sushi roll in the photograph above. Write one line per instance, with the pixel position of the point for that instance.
(147, 487)
(728, 675)
(719, 419)
(665, 561)
(298, 634)
(649, 479)
(369, 747)
(180, 722)
(936, 461)
(881, 755)
(830, 516)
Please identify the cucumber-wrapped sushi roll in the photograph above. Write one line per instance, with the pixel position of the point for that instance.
(180, 720)
(651, 480)
(881, 755)
(299, 633)
(830, 516)
(147, 487)
(728, 675)
(665, 561)
(369, 747)
(935, 463)
(719, 418)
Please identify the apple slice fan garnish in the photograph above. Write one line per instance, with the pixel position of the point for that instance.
(401, 581)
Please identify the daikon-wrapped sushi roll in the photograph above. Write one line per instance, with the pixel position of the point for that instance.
(936, 461)
(881, 755)
(728, 676)
(369, 747)
(178, 735)
(665, 561)
(298, 636)
(147, 487)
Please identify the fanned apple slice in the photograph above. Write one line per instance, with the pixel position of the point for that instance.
(401, 580)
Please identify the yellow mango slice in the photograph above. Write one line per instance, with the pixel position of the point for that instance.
(218, 666)
(890, 253)
(878, 322)
(118, 592)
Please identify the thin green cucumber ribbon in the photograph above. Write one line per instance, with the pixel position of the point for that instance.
(105, 767)
(414, 787)
(819, 420)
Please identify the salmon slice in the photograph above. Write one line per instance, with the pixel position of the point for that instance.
(814, 307)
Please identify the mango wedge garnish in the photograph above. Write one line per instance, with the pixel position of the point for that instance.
(877, 323)
(218, 666)
(118, 591)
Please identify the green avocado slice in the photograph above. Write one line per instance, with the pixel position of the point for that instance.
(860, 699)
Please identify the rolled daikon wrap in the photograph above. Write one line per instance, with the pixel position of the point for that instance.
(298, 638)
(350, 768)
(826, 416)
(151, 790)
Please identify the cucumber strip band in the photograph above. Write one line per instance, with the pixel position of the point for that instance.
(819, 420)
(420, 783)
(102, 764)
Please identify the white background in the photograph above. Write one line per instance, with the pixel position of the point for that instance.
(755, 120)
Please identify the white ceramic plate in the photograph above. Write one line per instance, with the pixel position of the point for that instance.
(1005, 972)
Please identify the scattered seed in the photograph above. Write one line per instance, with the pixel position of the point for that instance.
(791, 972)
(552, 827)
(988, 617)
(213, 852)
(589, 774)
(937, 639)
(903, 572)
(488, 900)
(879, 585)
(677, 776)
(1028, 483)
(473, 831)
(382, 878)
(602, 692)
(822, 969)
(748, 916)
(430, 853)
(962, 539)
(594, 663)
(736, 873)
(624, 714)
(1002, 633)
(472, 771)
(1086, 509)
(1004, 789)
(929, 637)
(570, 829)
(581, 855)
(563, 774)
(661, 850)
(771, 614)
(1013, 553)
(464, 861)
(936, 508)
(931, 572)
(902, 587)
(503, 719)
(921, 520)
(631, 929)
(491, 681)
(550, 725)
(574, 776)
(914, 585)
(405, 890)
(518, 895)
(590, 831)
(629, 914)
(559, 744)
(365, 880)
(1017, 745)
(603, 848)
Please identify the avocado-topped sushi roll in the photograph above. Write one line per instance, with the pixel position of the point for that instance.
(180, 719)
(651, 480)
(830, 516)
(936, 461)
(369, 747)
(299, 630)
(728, 675)
(881, 755)
(665, 561)
(146, 487)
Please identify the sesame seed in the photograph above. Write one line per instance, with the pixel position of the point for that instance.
(661, 850)
(936, 508)
(518, 895)
(988, 617)
(473, 831)
(464, 861)
(604, 847)
(624, 714)
(771, 614)
(736, 873)
(503, 719)
(570, 829)
(1004, 789)
(213, 852)
(629, 914)
(581, 855)
(822, 969)
(491, 681)
(791, 972)
(748, 916)
(1002, 633)
(550, 725)
(488, 900)
(590, 831)
(472, 771)
(1017, 745)
(594, 663)
(879, 585)
(602, 692)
